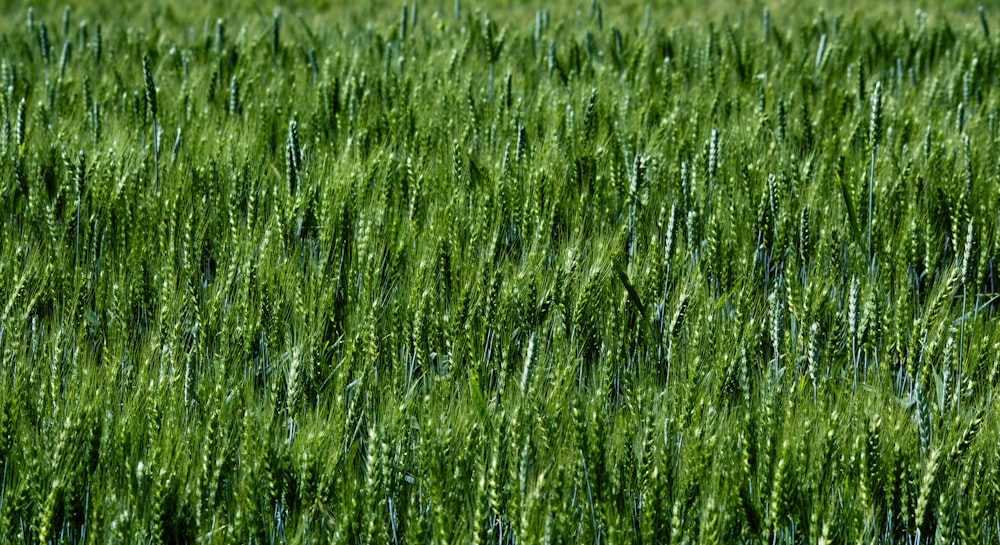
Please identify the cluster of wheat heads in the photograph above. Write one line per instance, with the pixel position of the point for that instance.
(475, 274)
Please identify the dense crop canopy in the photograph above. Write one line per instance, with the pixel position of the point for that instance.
(473, 274)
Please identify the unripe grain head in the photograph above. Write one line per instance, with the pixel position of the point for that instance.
(147, 74)
(875, 129)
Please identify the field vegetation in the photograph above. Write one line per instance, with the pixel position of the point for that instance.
(471, 273)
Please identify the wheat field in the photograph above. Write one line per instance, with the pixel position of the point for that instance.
(462, 272)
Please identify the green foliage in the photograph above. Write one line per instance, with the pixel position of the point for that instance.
(673, 280)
